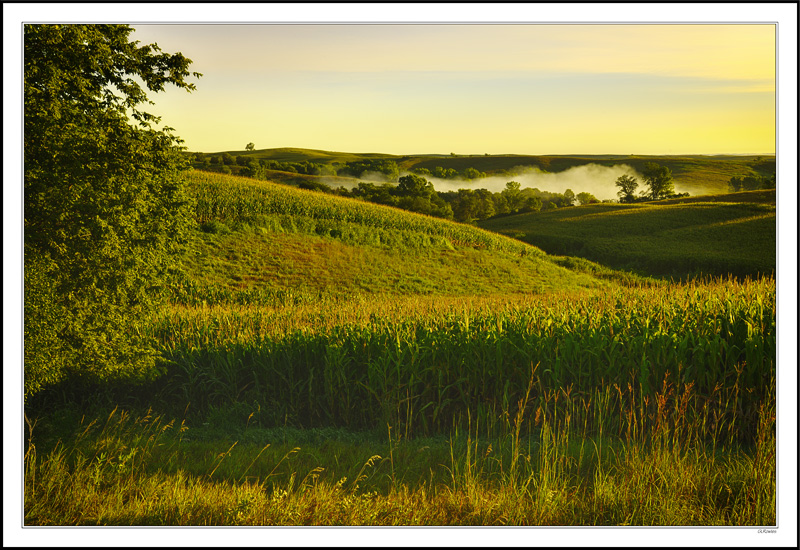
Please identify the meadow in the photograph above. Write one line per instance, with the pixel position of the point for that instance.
(331, 362)
(714, 235)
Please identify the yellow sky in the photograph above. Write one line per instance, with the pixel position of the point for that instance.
(473, 89)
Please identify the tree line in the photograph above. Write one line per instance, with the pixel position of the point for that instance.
(416, 194)
(388, 169)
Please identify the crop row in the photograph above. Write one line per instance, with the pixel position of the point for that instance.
(427, 371)
(238, 200)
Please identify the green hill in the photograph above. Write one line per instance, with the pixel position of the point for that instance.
(259, 240)
(718, 235)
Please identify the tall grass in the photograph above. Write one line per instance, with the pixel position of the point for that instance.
(422, 369)
(546, 470)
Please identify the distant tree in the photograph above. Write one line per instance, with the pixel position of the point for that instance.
(586, 198)
(422, 171)
(627, 188)
(250, 146)
(413, 185)
(532, 204)
(228, 159)
(658, 179)
(445, 173)
(569, 198)
(473, 173)
(464, 205)
(512, 196)
(484, 204)
(500, 203)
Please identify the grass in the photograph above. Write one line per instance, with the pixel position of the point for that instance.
(261, 238)
(717, 236)
(331, 362)
(123, 469)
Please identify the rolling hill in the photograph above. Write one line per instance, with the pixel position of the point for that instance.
(256, 240)
(715, 235)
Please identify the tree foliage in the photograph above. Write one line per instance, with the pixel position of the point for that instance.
(659, 180)
(751, 182)
(627, 188)
(104, 204)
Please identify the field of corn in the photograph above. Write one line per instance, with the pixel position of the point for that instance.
(646, 404)
(238, 201)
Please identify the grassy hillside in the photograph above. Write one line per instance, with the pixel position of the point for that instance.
(719, 235)
(260, 239)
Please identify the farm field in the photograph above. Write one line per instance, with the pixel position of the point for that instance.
(330, 362)
(679, 238)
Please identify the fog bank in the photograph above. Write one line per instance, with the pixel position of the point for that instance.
(590, 178)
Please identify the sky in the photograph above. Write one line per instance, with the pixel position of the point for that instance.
(474, 88)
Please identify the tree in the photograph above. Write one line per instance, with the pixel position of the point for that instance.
(658, 179)
(105, 208)
(627, 188)
(569, 198)
(586, 198)
(512, 196)
(412, 185)
(250, 146)
(473, 173)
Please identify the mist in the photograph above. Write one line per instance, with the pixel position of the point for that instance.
(590, 178)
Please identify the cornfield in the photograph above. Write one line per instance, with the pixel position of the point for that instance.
(426, 364)
(238, 200)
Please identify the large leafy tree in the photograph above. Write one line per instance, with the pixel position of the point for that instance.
(105, 205)
(658, 179)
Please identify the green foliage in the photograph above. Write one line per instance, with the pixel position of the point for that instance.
(586, 198)
(45, 353)
(627, 188)
(659, 180)
(250, 146)
(105, 206)
(357, 169)
(751, 183)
